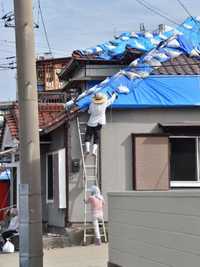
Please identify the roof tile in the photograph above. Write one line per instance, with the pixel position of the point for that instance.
(49, 114)
(181, 65)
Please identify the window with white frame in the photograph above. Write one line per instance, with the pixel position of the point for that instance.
(50, 188)
(184, 157)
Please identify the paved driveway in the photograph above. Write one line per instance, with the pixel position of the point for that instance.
(89, 256)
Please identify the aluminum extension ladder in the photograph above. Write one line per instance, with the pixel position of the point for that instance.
(90, 177)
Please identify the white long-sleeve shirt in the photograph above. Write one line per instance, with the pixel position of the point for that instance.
(98, 112)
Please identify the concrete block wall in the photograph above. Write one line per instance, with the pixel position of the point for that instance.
(154, 229)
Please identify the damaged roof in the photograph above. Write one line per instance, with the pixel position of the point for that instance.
(165, 76)
(51, 116)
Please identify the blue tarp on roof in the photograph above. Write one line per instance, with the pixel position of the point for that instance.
(147, 91)
(154, 91)
(5, 175)
(143, 41)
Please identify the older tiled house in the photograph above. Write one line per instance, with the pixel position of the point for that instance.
(52, 128)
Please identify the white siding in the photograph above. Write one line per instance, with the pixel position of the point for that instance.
(154, 229)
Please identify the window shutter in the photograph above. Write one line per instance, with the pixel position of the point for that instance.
(150, 162)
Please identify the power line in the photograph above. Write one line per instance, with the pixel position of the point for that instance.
(43, 23)
(187, 11)
(156, 68)
(12, 44)
(154, 7)
(184, 7)
(3, 58)
(2, 7)
(147, 6)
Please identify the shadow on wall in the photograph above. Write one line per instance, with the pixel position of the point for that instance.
(75, 192)
(128, 163)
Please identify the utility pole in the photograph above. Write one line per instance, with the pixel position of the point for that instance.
(31, 254)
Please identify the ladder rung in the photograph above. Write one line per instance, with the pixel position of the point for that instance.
(91, 176)
(87, 235)
(90, 180)
(90, 166)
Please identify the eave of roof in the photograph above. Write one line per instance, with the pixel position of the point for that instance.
(53, 60)
(76, 62)
(51, 116)
(180, 124)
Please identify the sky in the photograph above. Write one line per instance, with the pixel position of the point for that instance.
(78, 24)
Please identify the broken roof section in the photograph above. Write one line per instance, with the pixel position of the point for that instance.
(147, 92)
(126, 41)
(123, 43)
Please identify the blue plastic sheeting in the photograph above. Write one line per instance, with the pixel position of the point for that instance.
(144, 41)
(184, 40)
(92, 83)
(5, 175)
(155, 91)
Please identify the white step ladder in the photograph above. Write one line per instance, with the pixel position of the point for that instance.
(90, 177)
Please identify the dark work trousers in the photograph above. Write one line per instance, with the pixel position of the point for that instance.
(93, 132)
(8, 234)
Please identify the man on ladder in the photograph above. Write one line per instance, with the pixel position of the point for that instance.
(97, 111)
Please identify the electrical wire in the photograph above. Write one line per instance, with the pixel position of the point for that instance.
(45, 30)
(144, 4)
(50, 68)
(186, 10)
(2, 7)
(154, 7)
(38, 45)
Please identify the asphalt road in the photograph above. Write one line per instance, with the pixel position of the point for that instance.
(89, 256)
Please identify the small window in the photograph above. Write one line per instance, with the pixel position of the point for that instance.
(40, 75)
(50, 177)
(184, 159)
(50, 78)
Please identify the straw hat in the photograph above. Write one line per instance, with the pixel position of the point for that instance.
(99, 98)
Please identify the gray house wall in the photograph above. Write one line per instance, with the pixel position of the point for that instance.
(90, 72)
(116, 143)
(51, 214)
(116, 149)
(154, 229)
(76, 196)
